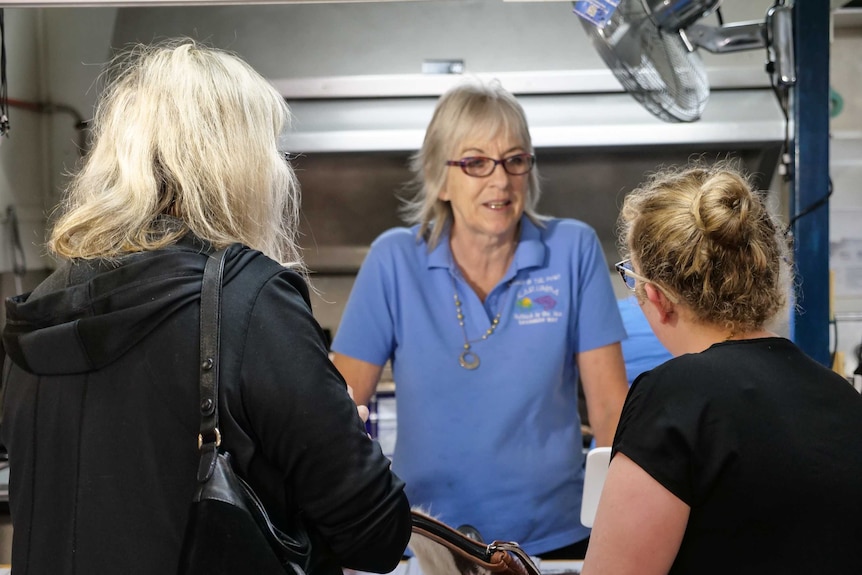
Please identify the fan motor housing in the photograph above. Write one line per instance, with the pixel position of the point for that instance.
(675, 15)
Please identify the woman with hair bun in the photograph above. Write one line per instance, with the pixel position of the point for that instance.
(741, 454)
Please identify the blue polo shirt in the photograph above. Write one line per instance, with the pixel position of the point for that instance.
(642, 350)
(498, 447)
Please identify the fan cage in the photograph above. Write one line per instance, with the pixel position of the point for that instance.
(653, 66)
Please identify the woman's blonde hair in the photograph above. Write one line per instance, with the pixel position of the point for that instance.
(467, 111)
(184, 140)
(705, 234)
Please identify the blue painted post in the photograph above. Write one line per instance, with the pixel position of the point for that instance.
(810, 177)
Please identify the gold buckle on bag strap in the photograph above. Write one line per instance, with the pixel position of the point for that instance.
(217, 437)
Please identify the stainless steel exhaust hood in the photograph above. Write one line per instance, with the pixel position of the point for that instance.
(570, 110)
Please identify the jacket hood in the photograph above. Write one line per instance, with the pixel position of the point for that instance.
(87, 314)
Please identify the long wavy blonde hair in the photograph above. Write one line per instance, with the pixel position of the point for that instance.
(185, 139)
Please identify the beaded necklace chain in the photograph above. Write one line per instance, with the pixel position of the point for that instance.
(468, 358)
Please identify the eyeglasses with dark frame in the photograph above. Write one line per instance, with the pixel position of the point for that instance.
(482, 167)
(624, 268)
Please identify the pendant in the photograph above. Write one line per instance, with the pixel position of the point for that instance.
(468, 360)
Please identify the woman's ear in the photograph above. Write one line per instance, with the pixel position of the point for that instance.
(443, 194)
(662, 305)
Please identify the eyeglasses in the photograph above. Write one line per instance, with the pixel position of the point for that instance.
(629, 276)
(482, 167)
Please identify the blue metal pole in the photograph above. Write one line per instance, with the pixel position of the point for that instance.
(810, 177)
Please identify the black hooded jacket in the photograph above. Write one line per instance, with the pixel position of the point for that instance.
(101, 417)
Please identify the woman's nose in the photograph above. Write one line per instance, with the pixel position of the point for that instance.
(499, 175)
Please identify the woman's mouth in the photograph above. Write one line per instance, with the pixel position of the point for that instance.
(499, 205)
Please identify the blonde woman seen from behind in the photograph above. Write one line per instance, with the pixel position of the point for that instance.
(101, 413)
(741, 454)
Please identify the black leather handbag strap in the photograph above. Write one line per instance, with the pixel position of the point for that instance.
(209, 438)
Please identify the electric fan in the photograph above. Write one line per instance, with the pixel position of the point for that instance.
(651, 47)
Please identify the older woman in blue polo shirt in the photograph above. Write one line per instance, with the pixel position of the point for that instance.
(489, 314)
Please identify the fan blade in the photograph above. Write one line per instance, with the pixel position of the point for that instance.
(624, 38)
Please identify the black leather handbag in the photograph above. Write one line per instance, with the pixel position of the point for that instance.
(229, 531)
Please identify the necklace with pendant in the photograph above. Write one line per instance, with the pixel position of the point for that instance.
(468, 358)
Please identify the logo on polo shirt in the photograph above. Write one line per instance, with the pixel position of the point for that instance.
(536, 300)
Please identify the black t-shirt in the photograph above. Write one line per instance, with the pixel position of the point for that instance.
(765, 446)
